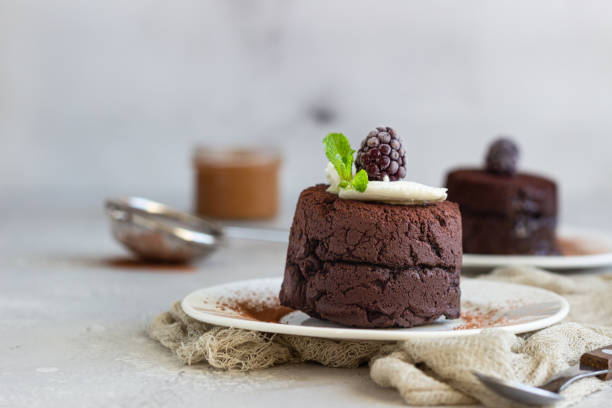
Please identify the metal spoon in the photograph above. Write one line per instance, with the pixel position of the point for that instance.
(154, 231)
(593, 363)
(531, 395)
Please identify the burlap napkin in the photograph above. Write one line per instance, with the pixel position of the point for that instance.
(424, 372)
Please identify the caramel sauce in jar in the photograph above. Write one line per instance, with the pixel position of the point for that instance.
(236, 183)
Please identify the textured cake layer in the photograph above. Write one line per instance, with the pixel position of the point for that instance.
(364, 295)
(476, 190)
(337, 230)
(492, 234)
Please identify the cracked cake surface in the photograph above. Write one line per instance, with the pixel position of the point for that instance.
(366, 264)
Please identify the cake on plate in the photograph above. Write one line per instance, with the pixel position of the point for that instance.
(370, 249)
(504, 211)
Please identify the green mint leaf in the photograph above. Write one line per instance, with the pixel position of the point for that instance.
(339, 153)
(360, 181)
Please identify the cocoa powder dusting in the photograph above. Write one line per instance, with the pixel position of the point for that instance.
(261, 312)
(267, 309)
(134, 263)
(476, 318)
(574, 246)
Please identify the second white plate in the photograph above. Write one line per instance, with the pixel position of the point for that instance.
(583, 249)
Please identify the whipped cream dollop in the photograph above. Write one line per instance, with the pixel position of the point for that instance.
(400, 192)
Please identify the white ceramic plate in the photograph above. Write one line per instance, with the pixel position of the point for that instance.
(515, 308)
(585, 249)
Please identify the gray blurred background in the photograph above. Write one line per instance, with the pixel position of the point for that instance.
(108, 98)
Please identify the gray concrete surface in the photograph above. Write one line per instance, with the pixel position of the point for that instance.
(72, 328)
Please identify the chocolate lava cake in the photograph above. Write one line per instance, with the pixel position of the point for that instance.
(505, 212)
(370, 249)
(366, 264)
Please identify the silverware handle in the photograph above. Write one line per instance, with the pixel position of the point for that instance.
(561, 383)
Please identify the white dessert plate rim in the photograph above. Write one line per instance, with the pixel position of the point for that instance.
(202, 305)
(556, 262)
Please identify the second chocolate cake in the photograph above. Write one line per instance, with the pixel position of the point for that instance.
(505, 212)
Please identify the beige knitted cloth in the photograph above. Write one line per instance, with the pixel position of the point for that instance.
(425, 372)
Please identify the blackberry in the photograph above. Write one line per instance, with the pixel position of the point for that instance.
(502, 157)
(382, 154)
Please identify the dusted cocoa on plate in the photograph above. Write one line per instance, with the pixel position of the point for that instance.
(365, 251)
